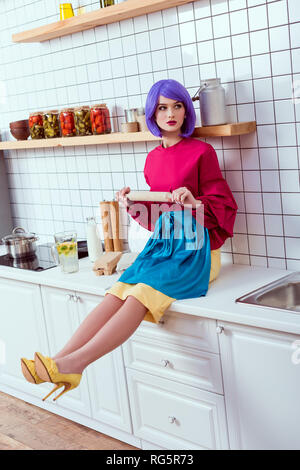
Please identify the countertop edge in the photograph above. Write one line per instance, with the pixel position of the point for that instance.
(223, 291)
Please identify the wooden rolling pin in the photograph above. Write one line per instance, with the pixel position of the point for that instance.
(160, 196)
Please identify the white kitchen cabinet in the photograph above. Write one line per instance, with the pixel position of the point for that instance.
(106, 378)
(176, 416)
(22, 332)
(262, 387)
(62, 319)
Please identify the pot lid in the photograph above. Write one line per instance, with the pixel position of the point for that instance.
(22, 235)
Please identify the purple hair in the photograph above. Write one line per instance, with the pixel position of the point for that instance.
(175, 91)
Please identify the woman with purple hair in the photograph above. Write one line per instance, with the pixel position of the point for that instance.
(182, 255)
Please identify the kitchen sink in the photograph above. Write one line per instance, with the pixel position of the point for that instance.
(283, 294)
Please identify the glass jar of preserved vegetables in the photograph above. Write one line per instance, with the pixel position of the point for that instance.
(100, 119)
(67, 122)
(36, 128)
(83, 120)
(51, 124)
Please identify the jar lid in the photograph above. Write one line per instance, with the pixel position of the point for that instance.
(53, 111)
(140, 111)
(81, 107)
(67, 110)
(36, 113)
(17, 237)
(101, 105)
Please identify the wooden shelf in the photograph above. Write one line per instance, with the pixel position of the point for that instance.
(226, 130)
(119, 12)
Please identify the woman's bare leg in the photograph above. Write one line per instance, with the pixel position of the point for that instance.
(92, 324)
(115, 331)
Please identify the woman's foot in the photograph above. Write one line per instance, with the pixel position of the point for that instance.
(66, 365)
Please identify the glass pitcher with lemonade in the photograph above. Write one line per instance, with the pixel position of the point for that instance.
(67, 251)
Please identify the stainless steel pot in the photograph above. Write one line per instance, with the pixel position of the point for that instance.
(20, 244)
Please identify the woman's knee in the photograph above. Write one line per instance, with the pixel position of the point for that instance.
(113, 299)
(137, 303)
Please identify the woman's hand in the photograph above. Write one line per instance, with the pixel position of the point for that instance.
(121, 196)
(184, 196)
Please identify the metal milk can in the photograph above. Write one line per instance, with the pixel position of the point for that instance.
(211, 95)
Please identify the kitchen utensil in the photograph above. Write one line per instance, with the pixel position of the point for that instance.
(131, 115)
(20, 243)
(106, 263)
(211, 95)
(20, 129)
(67, 251)
(159, 196)
(115, 225)
(129, 127)
(22, 123)
(30, 262)
(20, 133)
(106, 226)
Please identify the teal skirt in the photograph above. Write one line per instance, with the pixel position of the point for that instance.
(176, 259)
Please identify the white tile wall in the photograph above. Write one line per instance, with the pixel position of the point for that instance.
(252, 45)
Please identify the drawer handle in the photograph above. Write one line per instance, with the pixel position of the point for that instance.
(172, 419)
(165, 362)
(69, 296)
(219, 330)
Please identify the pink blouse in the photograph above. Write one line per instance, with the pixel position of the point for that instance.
(193, 164)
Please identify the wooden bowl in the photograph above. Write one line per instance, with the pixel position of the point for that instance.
(17, 124)
(20, 133)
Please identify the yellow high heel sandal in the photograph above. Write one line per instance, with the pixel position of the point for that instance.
(47, 369)
(29, 372)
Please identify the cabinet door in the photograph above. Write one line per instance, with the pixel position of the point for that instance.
(262, 385)
(22, 332)
(176, 416)
(106, 377)
(62, 321)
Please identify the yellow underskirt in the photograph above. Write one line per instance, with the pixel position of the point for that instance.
(157, 302)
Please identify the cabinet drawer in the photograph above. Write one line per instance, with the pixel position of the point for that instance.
(197, 368)
(184, 330)
(176, 416)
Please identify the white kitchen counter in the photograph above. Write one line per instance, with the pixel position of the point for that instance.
(234, 281)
